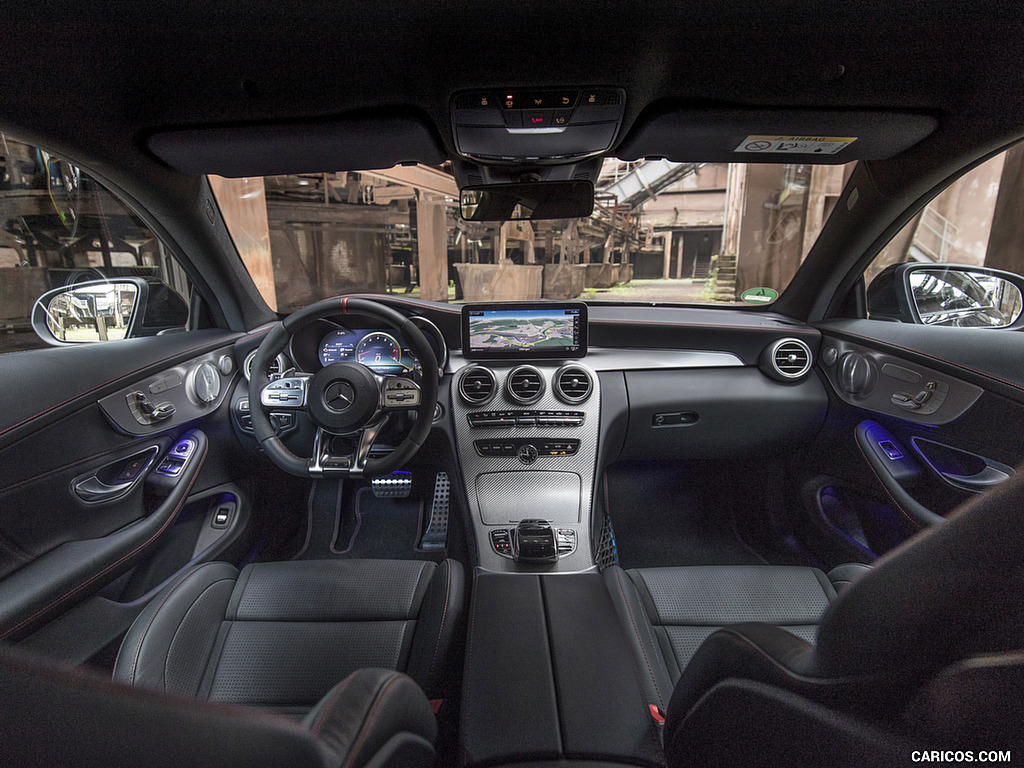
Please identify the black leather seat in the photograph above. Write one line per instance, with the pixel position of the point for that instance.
(281, 635)
(669, 612)
(925, 650)
(54, 715)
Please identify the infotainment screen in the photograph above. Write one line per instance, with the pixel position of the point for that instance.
(524, 331)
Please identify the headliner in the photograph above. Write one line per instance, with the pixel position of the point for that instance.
(123, 70)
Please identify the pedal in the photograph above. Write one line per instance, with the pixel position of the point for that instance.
(436, 536)
(397, 485)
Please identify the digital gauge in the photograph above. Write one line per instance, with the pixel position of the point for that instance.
(337, 346)
(379, 352)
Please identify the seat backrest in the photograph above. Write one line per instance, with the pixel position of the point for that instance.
(52, 715)
(952, 592)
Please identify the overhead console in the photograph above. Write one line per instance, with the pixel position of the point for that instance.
(536, 125)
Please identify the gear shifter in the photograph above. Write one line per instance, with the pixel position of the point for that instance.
(533, 541)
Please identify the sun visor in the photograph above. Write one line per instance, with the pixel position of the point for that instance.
(355, 142)
(772, 135)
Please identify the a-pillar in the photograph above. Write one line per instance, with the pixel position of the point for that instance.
(432, 243)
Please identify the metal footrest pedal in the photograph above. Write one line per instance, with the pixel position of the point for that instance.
(436, 536)
(397, 485)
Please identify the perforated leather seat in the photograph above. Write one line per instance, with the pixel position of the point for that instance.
(926, 647)
(281, 635)
(669, 612)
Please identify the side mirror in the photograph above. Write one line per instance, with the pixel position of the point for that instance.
(105, 310)
(958, 295)
(529, 200)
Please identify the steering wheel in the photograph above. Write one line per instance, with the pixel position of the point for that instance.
(343, 398)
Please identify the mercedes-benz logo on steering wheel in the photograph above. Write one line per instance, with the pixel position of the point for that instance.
(339, 396)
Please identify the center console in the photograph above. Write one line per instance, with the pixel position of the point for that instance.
(526, 413)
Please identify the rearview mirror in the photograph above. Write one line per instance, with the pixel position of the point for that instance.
(531, 200)
(957, 295)
(107, 310)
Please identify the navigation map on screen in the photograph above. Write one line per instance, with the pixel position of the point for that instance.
(525, 332)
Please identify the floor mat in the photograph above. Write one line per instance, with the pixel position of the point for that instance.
(342, 524)
(663, 518)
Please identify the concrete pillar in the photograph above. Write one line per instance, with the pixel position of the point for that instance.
(667, 261)
(529, 254)
(679, 258)
(815, 217)
(432, 236)
(1007, 233)
(243, 204)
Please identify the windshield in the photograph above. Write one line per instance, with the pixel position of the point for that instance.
(689, 233)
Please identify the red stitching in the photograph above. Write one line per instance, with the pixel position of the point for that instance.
(125, 449)
(182, 353)
(636, 632)
(444, 613)
(173, 516)
(338, 690)
(152, 618)
(368, 723)
(930, 356)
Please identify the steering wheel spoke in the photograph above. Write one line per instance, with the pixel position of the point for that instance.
(286, 393)
(399, 393)
(323, 463)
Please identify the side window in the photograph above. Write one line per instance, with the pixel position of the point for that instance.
(76, 265)
(959, 261)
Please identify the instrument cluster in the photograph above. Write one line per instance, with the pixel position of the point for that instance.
(381, 349)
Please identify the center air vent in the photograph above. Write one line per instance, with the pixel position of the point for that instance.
(525, 384)
(573, 384)
(477, 385)
(786, 359)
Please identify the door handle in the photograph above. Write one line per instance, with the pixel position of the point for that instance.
(116, 479)
(980, 481)
(961, 469)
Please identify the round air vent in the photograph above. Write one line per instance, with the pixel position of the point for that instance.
(786, 359)
(477, 385)
(525, 384)
(276, 366)
(573, 384)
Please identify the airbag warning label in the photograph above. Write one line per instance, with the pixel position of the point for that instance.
(802, 145)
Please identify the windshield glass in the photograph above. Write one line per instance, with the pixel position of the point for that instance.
(690, 233)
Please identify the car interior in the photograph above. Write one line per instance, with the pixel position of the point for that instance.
(275, 496)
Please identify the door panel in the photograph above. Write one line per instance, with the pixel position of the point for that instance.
(59, 545)
(884, 468)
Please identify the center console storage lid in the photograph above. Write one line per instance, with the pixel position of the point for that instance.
(550, 676)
